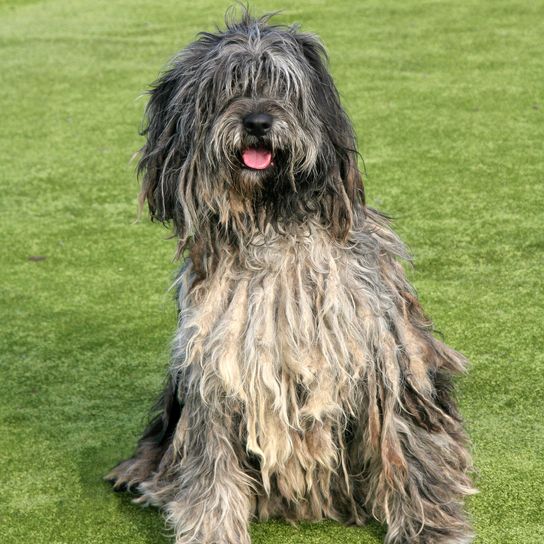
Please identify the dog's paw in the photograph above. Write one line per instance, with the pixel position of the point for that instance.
(128, 475)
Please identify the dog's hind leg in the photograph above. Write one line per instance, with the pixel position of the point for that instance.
(411, 451)
(152, 446)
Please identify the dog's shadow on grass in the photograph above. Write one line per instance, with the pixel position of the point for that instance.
(141, 525)
(149, 525)
(324, 532)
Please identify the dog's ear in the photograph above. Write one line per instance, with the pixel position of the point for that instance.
(346, 180)
(166, 147)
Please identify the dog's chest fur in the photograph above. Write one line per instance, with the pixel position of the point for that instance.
(283, 333)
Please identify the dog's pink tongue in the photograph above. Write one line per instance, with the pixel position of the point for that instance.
(257, 158)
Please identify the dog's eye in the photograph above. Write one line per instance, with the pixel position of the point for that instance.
(282, 87)
(232, 81)
(235, 76)
(278, 85)
(238, 82)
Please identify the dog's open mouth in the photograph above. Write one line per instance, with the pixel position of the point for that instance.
(257, 158)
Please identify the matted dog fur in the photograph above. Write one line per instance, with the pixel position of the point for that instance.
(305, 381)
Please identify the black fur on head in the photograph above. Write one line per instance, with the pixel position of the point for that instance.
(209, 169)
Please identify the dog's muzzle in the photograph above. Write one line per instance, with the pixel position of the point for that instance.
(259, 156)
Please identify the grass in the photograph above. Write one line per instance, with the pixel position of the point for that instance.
(448, 101)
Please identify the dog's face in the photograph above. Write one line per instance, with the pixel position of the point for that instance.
(249, 120)
(266, 130)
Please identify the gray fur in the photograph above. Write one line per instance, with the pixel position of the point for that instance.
(305, 381)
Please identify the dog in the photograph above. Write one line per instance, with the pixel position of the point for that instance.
(305, 381)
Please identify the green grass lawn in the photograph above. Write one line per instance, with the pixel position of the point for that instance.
(448, 102)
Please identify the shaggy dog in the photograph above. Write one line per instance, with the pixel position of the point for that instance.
(305, 381)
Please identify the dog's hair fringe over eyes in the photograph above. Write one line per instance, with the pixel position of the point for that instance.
(305, 380)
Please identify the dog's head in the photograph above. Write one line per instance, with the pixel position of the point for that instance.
(245, 128)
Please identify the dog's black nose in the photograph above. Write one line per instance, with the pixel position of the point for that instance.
(258, 124)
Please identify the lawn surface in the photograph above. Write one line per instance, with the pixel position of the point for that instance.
(448, 102)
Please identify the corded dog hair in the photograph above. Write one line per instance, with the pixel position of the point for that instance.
(305, 381)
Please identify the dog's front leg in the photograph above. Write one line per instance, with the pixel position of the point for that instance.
(213, 498)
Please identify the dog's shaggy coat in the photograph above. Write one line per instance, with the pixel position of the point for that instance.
(305, 381)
